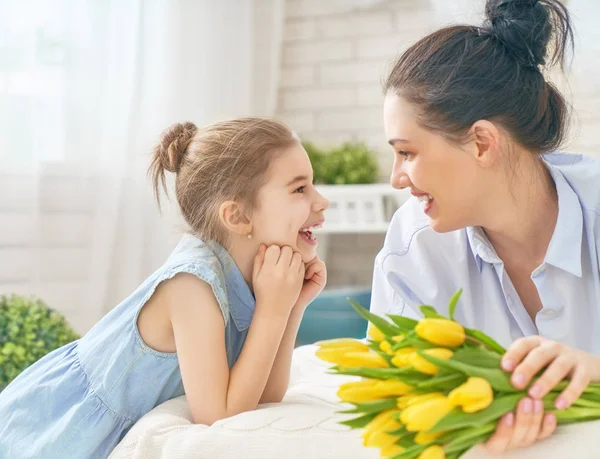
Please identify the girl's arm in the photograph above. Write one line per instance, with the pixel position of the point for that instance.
(213, 391)
(315, 280)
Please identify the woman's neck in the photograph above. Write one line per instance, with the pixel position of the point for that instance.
(521, 220)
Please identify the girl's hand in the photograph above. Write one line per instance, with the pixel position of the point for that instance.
(315, 279)
(277, 279)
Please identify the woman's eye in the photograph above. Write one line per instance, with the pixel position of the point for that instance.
(299, 189)
(406, 154)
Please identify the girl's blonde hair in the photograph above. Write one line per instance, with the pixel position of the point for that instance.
(224, 161)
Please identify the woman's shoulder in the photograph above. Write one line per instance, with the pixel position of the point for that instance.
(582, 173)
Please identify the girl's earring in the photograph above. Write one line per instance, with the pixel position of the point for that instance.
(249, 235)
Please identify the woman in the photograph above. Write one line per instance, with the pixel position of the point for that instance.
(474, 126)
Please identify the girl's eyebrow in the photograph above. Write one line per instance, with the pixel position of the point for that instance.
(299, 178)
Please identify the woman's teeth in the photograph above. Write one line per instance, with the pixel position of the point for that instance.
(425, 197)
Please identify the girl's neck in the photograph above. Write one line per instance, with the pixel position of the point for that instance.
(522, 216)
(243, 255)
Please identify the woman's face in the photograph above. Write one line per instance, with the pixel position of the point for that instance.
(444, 176)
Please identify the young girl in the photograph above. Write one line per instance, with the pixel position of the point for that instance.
(474, 125)
(217, 321)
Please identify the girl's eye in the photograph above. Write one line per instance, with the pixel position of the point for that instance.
(300, 189)
(406, 154)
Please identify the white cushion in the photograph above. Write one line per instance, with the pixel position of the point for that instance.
(304, 425)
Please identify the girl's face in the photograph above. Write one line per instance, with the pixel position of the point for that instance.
(289, 205)
(444, 176)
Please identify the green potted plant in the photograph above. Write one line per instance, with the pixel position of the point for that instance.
(29, 329)
(350, 163)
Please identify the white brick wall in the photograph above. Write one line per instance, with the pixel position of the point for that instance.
(335, 57)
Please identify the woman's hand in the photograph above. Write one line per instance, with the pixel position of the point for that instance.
(521, 429)
(526, 358)
(315, 279)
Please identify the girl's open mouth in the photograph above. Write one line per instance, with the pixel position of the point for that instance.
(307, 235)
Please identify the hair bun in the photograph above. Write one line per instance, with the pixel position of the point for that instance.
(173, 144)
(524, 27)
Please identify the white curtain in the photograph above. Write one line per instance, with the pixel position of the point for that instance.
(86, 87)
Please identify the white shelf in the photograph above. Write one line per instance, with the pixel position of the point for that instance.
(360, 208)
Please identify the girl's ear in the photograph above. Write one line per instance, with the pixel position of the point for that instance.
(233, 218)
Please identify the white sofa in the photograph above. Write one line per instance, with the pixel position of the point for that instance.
(304, 425)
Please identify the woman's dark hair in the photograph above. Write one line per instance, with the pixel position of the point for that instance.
(461, 74)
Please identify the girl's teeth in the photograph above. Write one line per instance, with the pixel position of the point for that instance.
(425, 197)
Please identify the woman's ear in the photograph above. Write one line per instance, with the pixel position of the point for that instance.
(233, 218)
(486, 138)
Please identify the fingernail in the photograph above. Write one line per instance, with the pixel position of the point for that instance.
(518, 379)
(538, 406)
(508, 364)
(535, 391)
(560, 403)
(527, 405)
(509, 420)
(550, 418)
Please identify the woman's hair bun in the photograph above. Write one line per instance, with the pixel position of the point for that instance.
(526, 27)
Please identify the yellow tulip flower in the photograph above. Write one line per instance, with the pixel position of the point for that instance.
(412, 399)
(402, 357)
(343, 343)
(372, 389)
(424, 366)
(442, 332)
(421, 417)
(423, 438)
(383, 422)
(380, 440)
(474, 395)
(398, 338)
(392, 450)
(433, 452)
(374, 333)
(386, 347)
(351, 358)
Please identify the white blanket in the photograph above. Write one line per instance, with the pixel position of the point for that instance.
(304, 425)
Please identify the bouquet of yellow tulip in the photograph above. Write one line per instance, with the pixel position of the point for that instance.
(431, 389)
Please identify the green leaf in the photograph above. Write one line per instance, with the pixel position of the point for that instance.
(457, 418)
(453, 303)
(406, 324)
(479, 356)
(400, 432)
(360, 422)
(443, 383)
(464, 435)
(383, 325)
(497, 378)
(430, 312)
(404, 374)
(485, 339)
(413, 340)
(410, 452)
(467, 444)
(373, 407)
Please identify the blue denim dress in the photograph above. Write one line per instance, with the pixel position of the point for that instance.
(80, 400)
